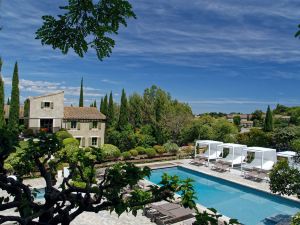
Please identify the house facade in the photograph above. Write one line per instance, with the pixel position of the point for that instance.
(48, 113)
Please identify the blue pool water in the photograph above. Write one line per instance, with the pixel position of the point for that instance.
(248, 205)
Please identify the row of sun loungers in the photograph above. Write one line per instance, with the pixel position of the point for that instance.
(164, 213)
(221, 166)
(256, 174)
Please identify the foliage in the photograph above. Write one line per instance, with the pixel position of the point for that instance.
(159, 149)
(13, 119)
(268, 125)
(150, 152)
(282, 138)
(69, 141)
(110, 111)
(104, 105)
(81, 104)
(296, 219)
(256, 137)
(2, 120)
(86, 24)
(123, 117)
(135, 108)
(126, 155)
(257, 118)
(237, 120)
(296, 147)
(28, 133)
(171, 147)
(110, 151)
(63, 134)
(141, 150)
(280, 109)
(224, 131)
(210, 218)
(284, 179)
(133, 152)
(188, 150)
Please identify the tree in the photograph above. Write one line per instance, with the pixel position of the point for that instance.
(123, 117)
(105, 105)
(135, 108)
(13, 119)
(81, 94)
(101, 105)
(95, 104)
(110, 110)
(268, 126)
(237, 120)
(80, 191)
(86, 24)
(257, 118)
(8, 101)
(2, 119)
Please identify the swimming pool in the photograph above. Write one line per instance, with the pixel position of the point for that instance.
(249, 206)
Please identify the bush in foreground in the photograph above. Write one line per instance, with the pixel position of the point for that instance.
(110, 151)
(150, 152)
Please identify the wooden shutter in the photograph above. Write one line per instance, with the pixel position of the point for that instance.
(42, 105)
(78, 125)
(68, 125)
(90, 141)
(98, 142)
(91, 125)
(83, 142)
(99, 125)
(51, 105)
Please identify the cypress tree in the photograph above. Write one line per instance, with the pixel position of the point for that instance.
(13, 119)
(268, 126)
(105, 105)
(110, 110)
(101, 105)
(8, 101)
(123, 117)
(2, 120)
(95, 104)
(81, 94)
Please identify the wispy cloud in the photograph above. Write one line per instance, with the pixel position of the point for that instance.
(243, 102)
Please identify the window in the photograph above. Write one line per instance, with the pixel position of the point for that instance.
(79, 140)
(94, 141)
(95, 124)
(73, 124)
(47, 104)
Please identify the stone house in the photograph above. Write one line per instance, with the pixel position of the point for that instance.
(48, 113)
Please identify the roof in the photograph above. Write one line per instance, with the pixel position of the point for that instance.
(232, 145)
(287, 154)
(207, 142)
(85, 113)
(47, 95)
(260, 149)
(6, 112)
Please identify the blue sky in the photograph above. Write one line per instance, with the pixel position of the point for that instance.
(215, 55)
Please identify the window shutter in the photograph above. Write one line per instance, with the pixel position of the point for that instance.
(90, 141)
(68, 125)
(51, 105)
(99, 125)
(91, 125)
(42, 105)
(83, 142)
(78, 125)
(98, 142)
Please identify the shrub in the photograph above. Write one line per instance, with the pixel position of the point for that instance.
(150, 152)
(159, 149)
(171, 147)
(61, 135)
(296, 219)
(141, 150)
(189, 150)
(68, 141)
(28, 133)
(110, 151)
(133, 152)
(126, 155)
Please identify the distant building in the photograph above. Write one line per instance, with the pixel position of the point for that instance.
(49, 114)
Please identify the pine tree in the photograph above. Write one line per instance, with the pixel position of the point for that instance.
(101, 105)
(81, 94)
(8, 101)
(110, 111)
(123, 117)
(268, 126)
(105, 105)
(95, 104)
(13, 119)
(2, 120)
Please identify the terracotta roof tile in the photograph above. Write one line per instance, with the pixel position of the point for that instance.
(88, 113)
